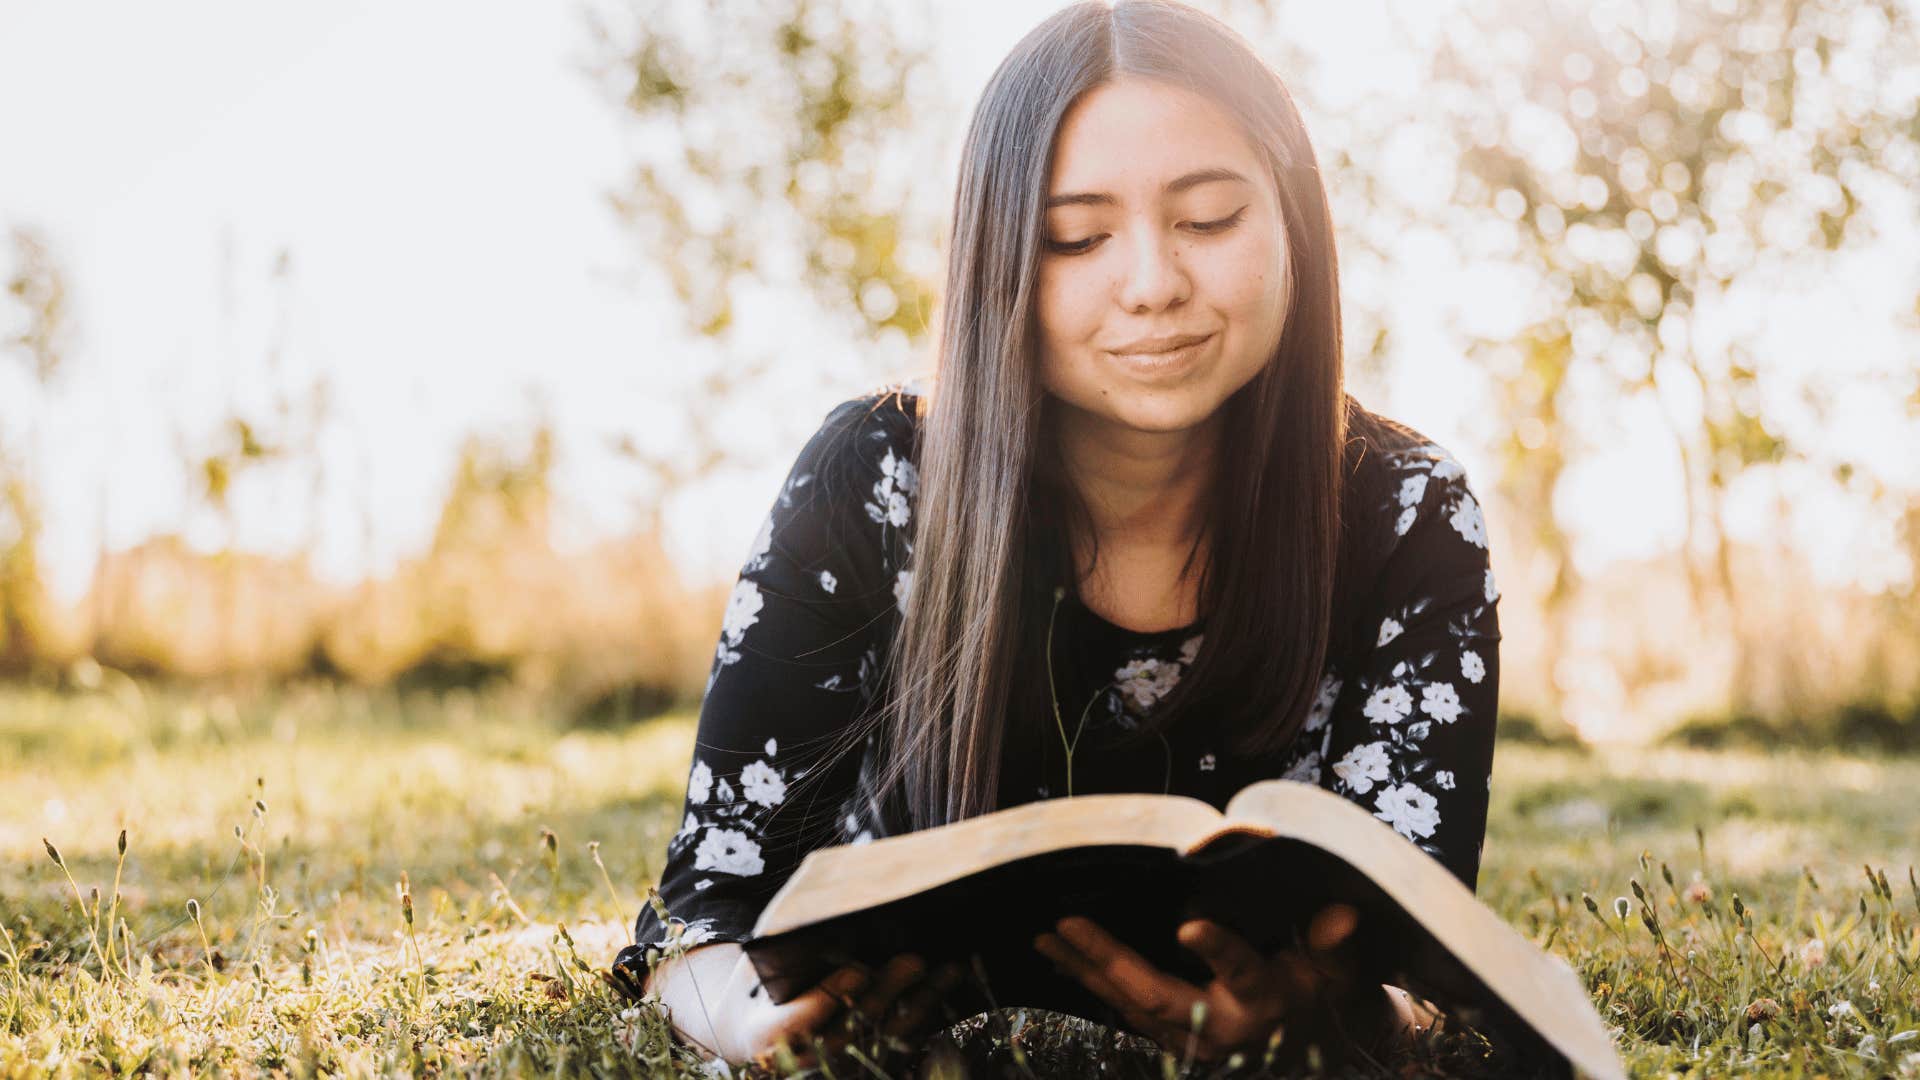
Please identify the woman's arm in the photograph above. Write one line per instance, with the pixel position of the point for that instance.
(715, 1001)
(697, 988)
(1411, 734)
(772, 776)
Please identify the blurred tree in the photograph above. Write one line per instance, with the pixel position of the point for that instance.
(257, 437)
(1647, 154)
(769, 160)
(38, 286)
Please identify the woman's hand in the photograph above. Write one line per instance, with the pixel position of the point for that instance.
(898, 1003)
(1250, 994)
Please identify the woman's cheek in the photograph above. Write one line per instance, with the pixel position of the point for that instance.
(1248, 286)
(1068, 299)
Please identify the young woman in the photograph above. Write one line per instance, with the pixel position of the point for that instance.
(1136, 537)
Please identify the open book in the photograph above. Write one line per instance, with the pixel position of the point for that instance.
(1139, 865)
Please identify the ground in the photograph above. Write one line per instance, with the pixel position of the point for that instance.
(319, 879)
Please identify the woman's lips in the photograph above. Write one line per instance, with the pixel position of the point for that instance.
(1163, 364)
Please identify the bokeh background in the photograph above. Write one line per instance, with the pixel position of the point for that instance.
(433, 346)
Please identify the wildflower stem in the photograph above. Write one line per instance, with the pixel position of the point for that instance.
(113, 909)
(593, 848)
(1053, 693)
(81, 903)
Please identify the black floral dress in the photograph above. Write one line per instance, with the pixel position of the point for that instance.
(1403, 723)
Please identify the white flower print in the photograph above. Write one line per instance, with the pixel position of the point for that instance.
(1413, 813)
(1306, 770)
(1189, 649)
(762, 543)
(762, 784)
(689, 933)
(723, 793)
(771, 747)
(901, 472)
(1147, 681)
(1467, 521)
(1444, 778)
(700, 782)
(1363, 765)
(1472, 666)
(729, 851)
(743, 610)
(1389, 705)
(902, 586)
(1447, 467)
(1413, 489)
(855, 832)
(1439, 701)
(1405, 521)
(1206, 763)
(1492, 590)
(898, 480)
(689, 826)
(828, 582)
(1323, 703)
(1389, 630)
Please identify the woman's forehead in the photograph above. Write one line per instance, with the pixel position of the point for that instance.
(1141, 138)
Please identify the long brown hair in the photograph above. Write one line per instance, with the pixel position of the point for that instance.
(993, 513)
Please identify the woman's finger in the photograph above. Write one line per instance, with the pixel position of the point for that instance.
(900, 972)
(1235, 962)
(1168, 998)
(919, 1002)
(1332, 925)
(808, 1011)
(1298, 979)
(1329, 946)
(1077, 965)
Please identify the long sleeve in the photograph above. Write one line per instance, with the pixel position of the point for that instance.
(1412, 726)
(796, 662)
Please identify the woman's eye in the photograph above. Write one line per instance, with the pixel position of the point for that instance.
(1222, 224)
(1075, 247)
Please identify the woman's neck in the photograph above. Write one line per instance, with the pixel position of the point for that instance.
(1142, 489)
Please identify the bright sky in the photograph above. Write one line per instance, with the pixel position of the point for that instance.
(438, 174)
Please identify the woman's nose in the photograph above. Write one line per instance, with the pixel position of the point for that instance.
(1154, 277)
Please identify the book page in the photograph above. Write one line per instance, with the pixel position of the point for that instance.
(850, 877)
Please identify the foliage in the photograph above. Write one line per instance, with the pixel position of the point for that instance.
(1860, 727)
(776, 161)
(38, 286)
(1650, 158)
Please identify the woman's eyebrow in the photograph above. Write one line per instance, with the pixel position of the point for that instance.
(1174, 187)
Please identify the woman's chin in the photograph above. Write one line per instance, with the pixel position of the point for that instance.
(1159, 412)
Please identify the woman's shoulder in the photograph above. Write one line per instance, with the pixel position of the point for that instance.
(1380, 447)
(874, 422)
(855, 480)
(1397, 475)
(865, 440)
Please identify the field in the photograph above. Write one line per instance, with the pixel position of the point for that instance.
(357, 882)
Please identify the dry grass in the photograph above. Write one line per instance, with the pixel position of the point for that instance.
(292, 822)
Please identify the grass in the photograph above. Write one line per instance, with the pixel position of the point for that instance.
(366, 883)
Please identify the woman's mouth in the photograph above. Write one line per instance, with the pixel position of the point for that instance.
(1164, 362)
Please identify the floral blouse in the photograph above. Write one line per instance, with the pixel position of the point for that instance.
(1403, 723)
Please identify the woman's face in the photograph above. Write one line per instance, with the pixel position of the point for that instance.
(1163, 281)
